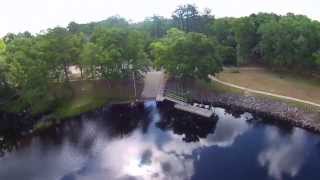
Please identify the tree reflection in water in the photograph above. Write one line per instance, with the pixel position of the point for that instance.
(193, 127)
(121, 120)
(7, 144)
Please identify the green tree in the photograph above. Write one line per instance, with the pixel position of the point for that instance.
(74, 27)
(246, 38)
(59, 47)
(290, 42)
(113, 22)
(29, 73)
(122, 52)
(187, 55)
(206, 18)
(156, 26)
(91, 58)
(77, 42)
(3, 72)
(222, 30)
(186, 17)
(316, 57)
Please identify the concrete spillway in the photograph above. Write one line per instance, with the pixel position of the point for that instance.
(154, 88)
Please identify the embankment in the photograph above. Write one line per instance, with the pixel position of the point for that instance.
(263, 107)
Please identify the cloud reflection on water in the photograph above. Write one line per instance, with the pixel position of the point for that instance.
(142, 152)
(283, 156)
(173, 159)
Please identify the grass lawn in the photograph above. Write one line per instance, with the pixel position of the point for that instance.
(283, 84)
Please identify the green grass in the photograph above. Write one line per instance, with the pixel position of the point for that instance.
(76, 98)
(90, 95)
(86, 96)
(221, 89)
(79, 105)
(71, 109)
(16, 106)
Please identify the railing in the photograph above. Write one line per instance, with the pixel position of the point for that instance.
(182, 97)
(178, 98)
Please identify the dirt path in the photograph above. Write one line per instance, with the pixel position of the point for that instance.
(152, 84)
(263, 92)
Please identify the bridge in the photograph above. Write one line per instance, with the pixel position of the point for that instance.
(154, 88)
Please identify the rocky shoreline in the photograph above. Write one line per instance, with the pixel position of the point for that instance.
(277, 111)
(265, 108)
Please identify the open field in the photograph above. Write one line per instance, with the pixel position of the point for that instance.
(263, 80)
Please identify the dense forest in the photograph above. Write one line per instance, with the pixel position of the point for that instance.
(189, 44)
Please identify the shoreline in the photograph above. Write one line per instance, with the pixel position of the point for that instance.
(263, 107)
(270, 111)
(235, 104)
(24, 124)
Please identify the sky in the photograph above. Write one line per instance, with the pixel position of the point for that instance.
(36, 15)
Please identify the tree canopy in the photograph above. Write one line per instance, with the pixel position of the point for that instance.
(187, 55)
(280, 42)
(31, 64)
(3, 69)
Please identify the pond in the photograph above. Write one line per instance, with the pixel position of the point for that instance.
(155, 141)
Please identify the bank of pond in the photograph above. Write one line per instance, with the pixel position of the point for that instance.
(153, 140)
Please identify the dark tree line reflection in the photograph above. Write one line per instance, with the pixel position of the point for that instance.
(119, 121)
(7, 144)
(193, 127)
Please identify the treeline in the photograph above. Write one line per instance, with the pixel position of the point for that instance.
(289, 42)
(189, 44)
(279, 42)
(32, 65)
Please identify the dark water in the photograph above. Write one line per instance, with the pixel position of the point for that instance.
(150, 142)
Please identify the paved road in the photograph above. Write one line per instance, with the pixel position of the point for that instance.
(263, 92)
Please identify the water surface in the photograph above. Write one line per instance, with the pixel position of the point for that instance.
(157, 142)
